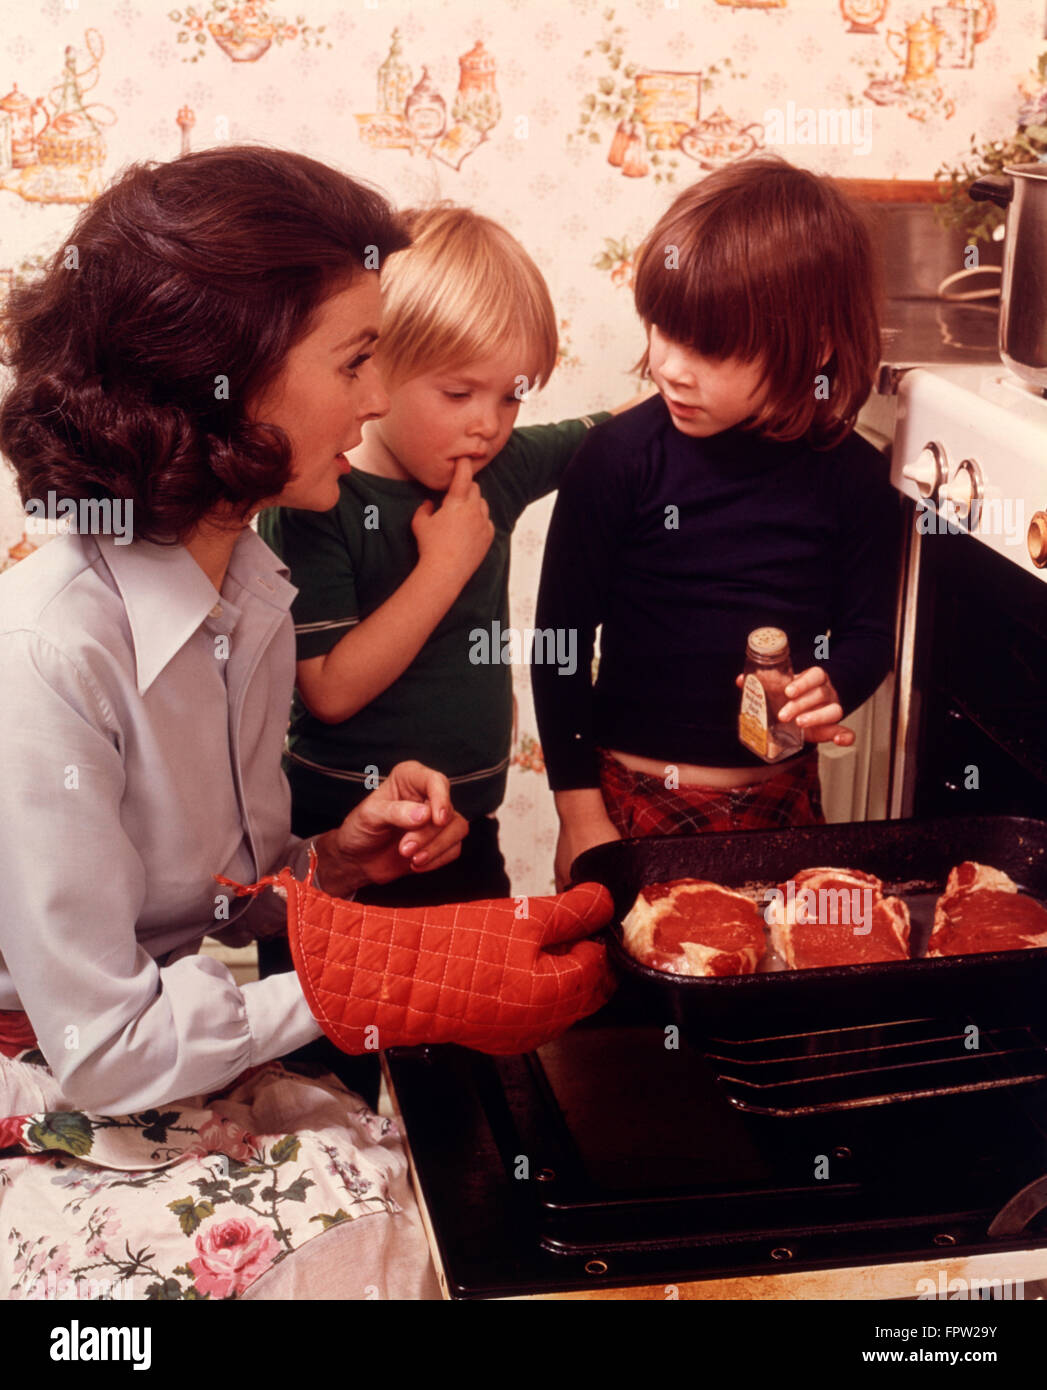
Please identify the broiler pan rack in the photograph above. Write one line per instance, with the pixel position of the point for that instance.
(854, 1068)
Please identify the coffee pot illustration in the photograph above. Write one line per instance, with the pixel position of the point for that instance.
(22, 113)
(922, 39)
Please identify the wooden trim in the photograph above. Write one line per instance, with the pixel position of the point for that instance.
(893, 190)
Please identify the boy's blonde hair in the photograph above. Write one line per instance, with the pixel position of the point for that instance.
(463, 287)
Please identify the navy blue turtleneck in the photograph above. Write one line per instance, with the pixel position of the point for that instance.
(679, 547)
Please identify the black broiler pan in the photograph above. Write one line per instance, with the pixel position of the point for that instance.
(912, 857)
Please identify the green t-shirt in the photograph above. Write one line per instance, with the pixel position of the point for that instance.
(447, 711)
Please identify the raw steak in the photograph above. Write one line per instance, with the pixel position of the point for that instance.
(836, 917)
(690, 927)
(982, 910)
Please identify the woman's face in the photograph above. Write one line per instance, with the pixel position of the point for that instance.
(327, 388)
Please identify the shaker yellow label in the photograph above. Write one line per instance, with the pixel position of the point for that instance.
(752, 717)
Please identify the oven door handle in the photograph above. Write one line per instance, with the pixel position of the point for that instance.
(1015, 1215)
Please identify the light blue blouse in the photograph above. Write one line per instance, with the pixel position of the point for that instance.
(142, 717)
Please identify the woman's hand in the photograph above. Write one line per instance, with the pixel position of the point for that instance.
(407, 823)
(815, 705)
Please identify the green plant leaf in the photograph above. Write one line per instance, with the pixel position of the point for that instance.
(327, 1220)
(165, 1292)
(285, 1150)
(70, 1131)
(297, 1190)
(190, 1213)
(217, 1189)
(157, 1124)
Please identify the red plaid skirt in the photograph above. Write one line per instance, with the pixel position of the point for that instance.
(639, 804)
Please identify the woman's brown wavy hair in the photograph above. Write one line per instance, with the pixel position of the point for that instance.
(212, 265)
(772, 263)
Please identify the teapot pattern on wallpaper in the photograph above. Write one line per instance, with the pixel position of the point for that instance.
(475, 100)
(655, 111)
(413, 116)
(57, 156)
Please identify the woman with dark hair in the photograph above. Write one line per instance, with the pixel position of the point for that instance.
(201, 347)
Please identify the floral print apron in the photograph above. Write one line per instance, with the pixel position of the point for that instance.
(196, 1199)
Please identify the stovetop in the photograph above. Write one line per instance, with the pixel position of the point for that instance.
(932, 331)
(608, 1159)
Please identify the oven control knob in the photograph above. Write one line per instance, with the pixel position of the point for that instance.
(1037, 539)
(963, 493)
(927, 470)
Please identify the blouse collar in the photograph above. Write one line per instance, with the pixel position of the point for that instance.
(167, 596)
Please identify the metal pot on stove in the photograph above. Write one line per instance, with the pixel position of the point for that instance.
(1022, 189)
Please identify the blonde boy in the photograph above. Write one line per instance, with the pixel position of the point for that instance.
(395, 581)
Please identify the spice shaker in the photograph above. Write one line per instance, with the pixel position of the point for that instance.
(768, 670)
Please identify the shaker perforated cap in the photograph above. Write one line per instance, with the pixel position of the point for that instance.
(768, 641)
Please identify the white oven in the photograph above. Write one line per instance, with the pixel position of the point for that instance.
(969, 717)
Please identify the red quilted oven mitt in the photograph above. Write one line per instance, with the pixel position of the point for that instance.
(503, 975)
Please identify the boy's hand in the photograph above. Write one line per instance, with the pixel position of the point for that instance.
(455, 539)
(815, 705)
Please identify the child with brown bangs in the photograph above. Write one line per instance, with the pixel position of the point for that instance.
(398, 579)
(738, 497)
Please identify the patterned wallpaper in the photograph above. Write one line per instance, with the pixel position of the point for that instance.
(573, 123)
